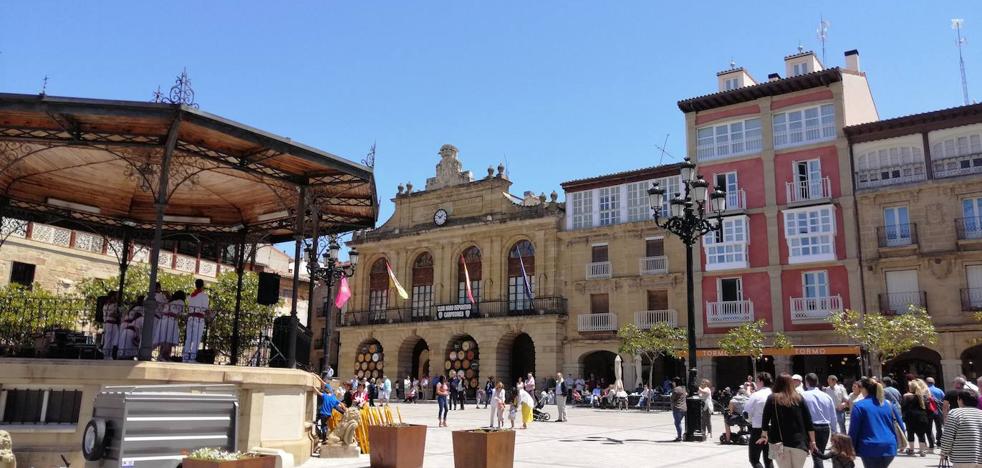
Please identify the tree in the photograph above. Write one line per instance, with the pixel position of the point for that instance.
(137, 283)
(26, 313)
(748, 340)
(885, 337)
(661, 339)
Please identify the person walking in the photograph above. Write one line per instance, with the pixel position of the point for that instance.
(871, 426)
(840, 398)
(452, 385)
(706, 395)
(442, 394)
(498, 404)
(405, 389)
(822, 410)
(934, 405)
(842, 454)
(914, 407)
(488, 391)
(678, 407)
(786, 425)
(386, 389)
(962, 440)
(561, 390)
(460, 389)
(755, 410)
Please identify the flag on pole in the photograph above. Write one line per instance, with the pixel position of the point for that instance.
(344, 293)
(394, 282)
(525, 277)
(467, 280)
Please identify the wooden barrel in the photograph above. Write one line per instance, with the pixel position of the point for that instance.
(465, 364)
(453, 355)
(372, 348)
(469, 373)
(447, 364)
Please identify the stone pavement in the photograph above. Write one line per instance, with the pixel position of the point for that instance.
(591, 439)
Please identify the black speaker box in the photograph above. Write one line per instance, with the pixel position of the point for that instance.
(281, 339)
(269, 289)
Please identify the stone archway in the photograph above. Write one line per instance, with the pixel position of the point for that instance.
(598, 366)
(920, 361)
(972, 362)
(414, 358)
(516, 358)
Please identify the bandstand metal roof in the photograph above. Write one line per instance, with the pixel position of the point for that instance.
(94, 164)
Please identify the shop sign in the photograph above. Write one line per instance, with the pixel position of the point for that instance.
(795, 351)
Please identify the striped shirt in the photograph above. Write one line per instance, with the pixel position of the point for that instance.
(961, 439)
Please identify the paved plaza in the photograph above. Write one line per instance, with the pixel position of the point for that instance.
(592, 438)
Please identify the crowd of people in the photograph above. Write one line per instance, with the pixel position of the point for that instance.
(123, 323)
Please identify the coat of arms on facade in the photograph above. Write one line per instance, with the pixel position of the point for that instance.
(449, 171)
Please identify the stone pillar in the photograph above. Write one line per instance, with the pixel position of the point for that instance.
(782, 364)
(950, 368)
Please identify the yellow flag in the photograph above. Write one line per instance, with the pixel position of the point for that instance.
(395, 282)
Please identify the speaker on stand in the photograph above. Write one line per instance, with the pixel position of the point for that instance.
(269, 289)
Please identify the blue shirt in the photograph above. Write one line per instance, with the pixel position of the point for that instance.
(328, 403)
(871, 428)
(936, 392)
(820, 406)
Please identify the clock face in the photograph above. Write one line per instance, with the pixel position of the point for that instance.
(440, 217)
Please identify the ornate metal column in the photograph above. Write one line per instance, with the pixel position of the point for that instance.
(239, 272)
(291, 356)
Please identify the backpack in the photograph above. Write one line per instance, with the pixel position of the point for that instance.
(932, 405)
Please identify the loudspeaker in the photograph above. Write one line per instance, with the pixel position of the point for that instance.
(281, 339)
(269, 289)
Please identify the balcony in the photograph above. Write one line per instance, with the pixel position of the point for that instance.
(729, 313)
(890, 175)
(972, 299)
(598, 270)
(809, 191)
(897, 235)
(591, 323)
(481, 310)
(900, 303)
(958, 165)
(814, 309)
(654, 265)
(736, 201)
(969, 229)
(646, 318)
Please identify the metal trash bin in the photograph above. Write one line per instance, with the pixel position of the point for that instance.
(154, 426)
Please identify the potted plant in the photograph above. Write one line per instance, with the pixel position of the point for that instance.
(484, 448)
(216, 458)
(397, 445)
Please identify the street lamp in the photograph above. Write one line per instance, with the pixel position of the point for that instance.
(690, 217)
(329, 274)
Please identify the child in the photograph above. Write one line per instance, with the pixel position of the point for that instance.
(513, 411)
(841, 453)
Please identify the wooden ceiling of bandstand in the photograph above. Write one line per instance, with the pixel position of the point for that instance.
(103, 157)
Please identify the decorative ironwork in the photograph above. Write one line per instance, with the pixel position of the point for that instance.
(180, 93)
(370, 157)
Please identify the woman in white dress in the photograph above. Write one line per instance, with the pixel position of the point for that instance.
(498, 403)
(165, 330)
(129, 335)
(110, 322)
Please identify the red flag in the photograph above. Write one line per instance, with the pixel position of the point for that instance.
(467, 280)
(344, 293)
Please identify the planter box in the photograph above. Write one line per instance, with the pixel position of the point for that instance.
(483, 449)
(255, 462)
(397, 446)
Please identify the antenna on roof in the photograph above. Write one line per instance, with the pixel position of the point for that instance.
(801, 48)
(664, 151)
(732, 63)
(956, 24)
(823, 33)
(662, 157)
(44, 85)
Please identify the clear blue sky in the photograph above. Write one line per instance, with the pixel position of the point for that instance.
(563, 89)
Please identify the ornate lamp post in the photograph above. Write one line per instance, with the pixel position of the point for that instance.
(690, 217)
(329, 274)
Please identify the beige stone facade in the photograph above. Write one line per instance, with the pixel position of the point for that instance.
(919, 181)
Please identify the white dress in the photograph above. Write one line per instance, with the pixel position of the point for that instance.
(197, 309)
(110, 333)
(497, 398)
(165, 328)
(129, 335)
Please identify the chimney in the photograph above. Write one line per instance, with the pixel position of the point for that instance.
(852, 60)
(773, 77)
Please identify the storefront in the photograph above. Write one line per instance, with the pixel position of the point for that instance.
(730, 371)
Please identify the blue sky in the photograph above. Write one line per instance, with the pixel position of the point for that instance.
(561, 89)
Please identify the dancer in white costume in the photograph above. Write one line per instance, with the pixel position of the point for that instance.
(110, 321)
(129, 335)
(166, 333)
(197, 313)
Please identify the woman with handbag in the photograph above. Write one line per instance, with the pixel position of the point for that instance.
(875, 427)
(786, 425)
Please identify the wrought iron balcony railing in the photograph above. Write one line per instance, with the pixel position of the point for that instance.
(897, 235)
(483, 309)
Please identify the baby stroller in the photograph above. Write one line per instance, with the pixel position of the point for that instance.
(537, 413)
(742, 435)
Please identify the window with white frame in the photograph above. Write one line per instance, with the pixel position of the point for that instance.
(728, 139)
(800, 69)
(731, 83)
(957, 146)
(727, 182)
(637, 201)
(609, 204)
(672, 187)
(885, 166)
(582, 209)
(815, 284)
(802, 126)
(810, 233)
(730, 251)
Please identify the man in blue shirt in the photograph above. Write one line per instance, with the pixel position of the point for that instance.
(328, 404)
(822, 410)
(937, 395)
